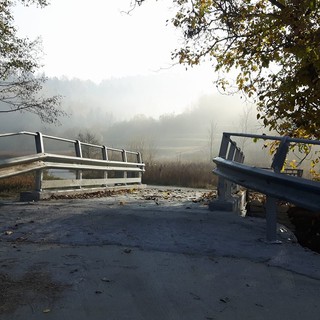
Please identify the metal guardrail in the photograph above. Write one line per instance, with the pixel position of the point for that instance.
(275, 184)
(114, 172)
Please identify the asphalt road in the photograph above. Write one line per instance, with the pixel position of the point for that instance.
(149, 254)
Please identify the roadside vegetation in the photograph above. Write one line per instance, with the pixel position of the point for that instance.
(170, 173)
(11, 187)
(182, 174)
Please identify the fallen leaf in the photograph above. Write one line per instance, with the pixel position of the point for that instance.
(225, 300)
(194, 296)
(74, 270)
(259, 305)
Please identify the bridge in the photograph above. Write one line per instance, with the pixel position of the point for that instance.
(98, 167)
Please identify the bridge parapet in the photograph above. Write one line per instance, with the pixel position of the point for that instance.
(273, 182)
(87, 165)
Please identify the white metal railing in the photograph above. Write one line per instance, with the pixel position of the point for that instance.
(274, 183)
(116, 166)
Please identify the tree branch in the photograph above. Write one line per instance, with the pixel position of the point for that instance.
(277, 4)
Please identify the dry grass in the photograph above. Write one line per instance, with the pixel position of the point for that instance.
(194, 175)
(170, 173)
(9, 187)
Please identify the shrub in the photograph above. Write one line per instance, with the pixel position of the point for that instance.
(11, 186)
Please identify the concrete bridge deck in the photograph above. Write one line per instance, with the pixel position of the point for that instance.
(149, 254)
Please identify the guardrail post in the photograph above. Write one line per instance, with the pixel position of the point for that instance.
(280, 156)
(222, 184)
(232, 150)
(104, 153)
(224, 145)
(39, 149)
(105, 157)
(232, 153)
(238, 156)
(224, 200)
(39, 178)
(39, 142)
(139, 160)
(124, 159)
(78, 154)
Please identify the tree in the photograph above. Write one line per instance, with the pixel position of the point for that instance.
(146, 146)
(271, 45)
(90, 152)
(20, 89)
(244, 124)
(87, 151)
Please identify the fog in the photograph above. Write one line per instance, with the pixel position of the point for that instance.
(165, 112)
(152, 113)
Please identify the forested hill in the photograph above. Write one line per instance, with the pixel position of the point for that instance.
(146, 111)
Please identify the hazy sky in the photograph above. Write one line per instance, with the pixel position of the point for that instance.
(98, 40)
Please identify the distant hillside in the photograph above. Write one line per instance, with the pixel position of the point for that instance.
(143, 112)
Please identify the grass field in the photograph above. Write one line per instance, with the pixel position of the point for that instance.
(193, 175)
(11, 187)
(182, 174)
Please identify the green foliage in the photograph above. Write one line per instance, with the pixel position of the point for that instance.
(272, 45)
(20, 90)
